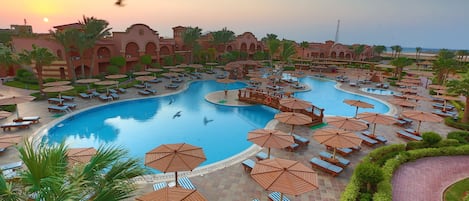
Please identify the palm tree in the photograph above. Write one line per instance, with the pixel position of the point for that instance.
(398, 50)
(288, 50)
(190, 37)
(393, 50)
(379, 49)
(223, 37)
(304, 45)
(67, 39)
(400, 63)
(7, 58)
(40, 57)
(444, 64)
(461, 87)
(358, 50)
(273, 44)
(49, 176)
(418, 50)
(94, 30)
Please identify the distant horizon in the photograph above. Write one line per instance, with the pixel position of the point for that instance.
(428, 24)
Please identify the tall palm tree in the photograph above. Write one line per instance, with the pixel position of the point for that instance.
(461, 87)
(303, 46)
(190, 37)
(49, 176)
(358, 50)
(379, 49)
(68, 39)
(94, 30)
(223, 37)
(393, 50)
(418, 51)
(40, 57)
(398, 50)
(400, 63)
(288, 50)
(7, 58)
(273, 44)
(444, 65)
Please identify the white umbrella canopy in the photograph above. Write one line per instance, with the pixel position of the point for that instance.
(57, 83)
(14, 100)
(59, 89)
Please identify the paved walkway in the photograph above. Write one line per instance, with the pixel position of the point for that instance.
(231, 182)
(426, 179)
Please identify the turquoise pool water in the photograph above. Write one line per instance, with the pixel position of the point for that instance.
(141, 125)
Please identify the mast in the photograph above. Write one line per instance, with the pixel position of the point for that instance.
(337, 32)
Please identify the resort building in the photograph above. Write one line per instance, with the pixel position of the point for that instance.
(140, 39)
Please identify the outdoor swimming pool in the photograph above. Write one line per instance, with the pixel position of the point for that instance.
(385, 92)
(141, 125)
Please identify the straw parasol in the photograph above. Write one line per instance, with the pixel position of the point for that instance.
(270, 138)
(116, 76)
(337, 138)
(347, 123)
(421, 116)
(293, 119)
(4, 114)
(285, 176)
(59, 89)
(141, 73)
(417, 97)
(358, 104)
(177, 70)
(437, 87)
(87, 81)
(58, 83)
(145, 78)
(9, 140)
(402, 102)
(80, 155)
(174, 158)
(376, 118)
(446, 98)
(14, 100)
(106, 83)
(226, 81)
(295, 103)
(172, 194)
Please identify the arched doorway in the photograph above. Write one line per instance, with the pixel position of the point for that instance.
(333, 55)
(78, 71)
(150, 49)
(104, 53)
(341, 55)
(244, 47)
(131, 50)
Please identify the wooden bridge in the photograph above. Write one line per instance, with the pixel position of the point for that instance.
(272, 99)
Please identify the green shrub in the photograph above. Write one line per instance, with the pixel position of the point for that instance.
(461, 136)
(431, 138)
(369, 174)
(352, 190)
(383, 152)
(449, 121)
(9, 108)
(366, 197)
(448, 143)
(411, 145)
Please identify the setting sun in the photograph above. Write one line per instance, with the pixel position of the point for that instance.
(45, 19)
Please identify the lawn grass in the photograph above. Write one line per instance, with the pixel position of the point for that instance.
(22, 85)
(457, 191)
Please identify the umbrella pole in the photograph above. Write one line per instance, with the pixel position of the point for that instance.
(374, 129)
(60, 98)
(333, 154)
(268, 153)
(281, 196)
(444, 106)
(356, 112)
(292, 128)
(17, 112)
(176, 178)
(418, 128)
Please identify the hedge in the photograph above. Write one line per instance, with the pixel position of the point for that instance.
(449, 121)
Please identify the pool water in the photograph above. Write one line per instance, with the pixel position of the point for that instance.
(141, 125)
(384, 92)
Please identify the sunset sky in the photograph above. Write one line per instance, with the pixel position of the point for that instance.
(409, 23)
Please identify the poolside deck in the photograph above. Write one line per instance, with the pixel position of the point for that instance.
(232, 182)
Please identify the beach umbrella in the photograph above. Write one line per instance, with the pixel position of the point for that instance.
(9, 140)
(4, 114)
(358, 104)
(418, 97)
(347, 123)
(407, 90)
(58, 83)
(173, 194)
(87, 82)
(293, 119)
(177, 70)
(80, 155)
(15, 100)
(421, 116)
(155, 70)
(141, 73)
(337, 138)
(270, 138)
(106, 83)
(376, 118)
(285, 176)
(437, 87)
(169, 67)
(413, 81)
(402, 102)
(174, 158)
(145, 78)
(170, 74)
(116, 76)
(295, 103)
(59, 89)
(226, 81)
(446, 98)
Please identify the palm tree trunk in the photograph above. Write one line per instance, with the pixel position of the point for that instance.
(465, 118)
(72, 69)
(39, 78)
(93, 58)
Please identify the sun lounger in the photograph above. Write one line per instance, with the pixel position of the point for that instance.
(275, 196)
(112, 91)
(152, 91)
(379, 138)
(139, 86)
(143, 92)
(114, 96)
(185, 183)
(33, 119)
(341, 151)
(445, 113)
(439, 100)
(104, 97)
(262, 156)
(159, 186)
(85, 95)
(412, 131)
(177, 80)
(56, 108)
(171, 86)
(221, 76)
(326, 156)
(248, 164)
(9, 174)
(95, 94)
(55, 100)
(2, 149)
(22, 124)
(407, 135)
(157, 80)
(255, 199)
(292, 147)
(301, 140)
(442, 106)
(70, 105)
(121, 90)
(10, 166)
(68, 98)
(325, 166)
(367, 140)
